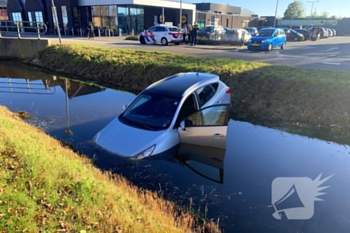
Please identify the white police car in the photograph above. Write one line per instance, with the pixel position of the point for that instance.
(163, 34)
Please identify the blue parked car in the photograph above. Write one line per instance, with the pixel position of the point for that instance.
(268, 38)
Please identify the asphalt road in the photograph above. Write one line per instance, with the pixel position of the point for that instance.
(332, 53)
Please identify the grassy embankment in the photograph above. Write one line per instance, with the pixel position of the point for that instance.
(45, 187)
(261, 93)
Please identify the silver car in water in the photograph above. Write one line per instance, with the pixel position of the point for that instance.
(183, 108)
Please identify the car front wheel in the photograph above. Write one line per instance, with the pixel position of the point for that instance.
(142, 40)
(283, 45)
(164, 41)
(270, 47)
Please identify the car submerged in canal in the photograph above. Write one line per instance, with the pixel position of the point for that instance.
(188, 108)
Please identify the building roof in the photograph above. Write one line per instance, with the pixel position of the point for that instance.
(178, 84)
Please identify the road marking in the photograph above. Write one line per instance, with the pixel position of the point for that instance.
(335, 48)
(331, 63)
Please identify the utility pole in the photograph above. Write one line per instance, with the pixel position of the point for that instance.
(180, 13)
(54, 12)
(274, 22)
(312, 7)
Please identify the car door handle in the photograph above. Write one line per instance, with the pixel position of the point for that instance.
(217, 135)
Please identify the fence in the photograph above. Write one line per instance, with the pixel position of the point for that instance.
(39, 28)
(19, 28)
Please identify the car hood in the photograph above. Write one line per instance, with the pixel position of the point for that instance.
(126, 140)
(259, 39)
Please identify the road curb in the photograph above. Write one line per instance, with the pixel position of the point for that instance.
(214, 48)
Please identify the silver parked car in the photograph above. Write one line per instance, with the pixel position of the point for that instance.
(237, 35)
(183, 108)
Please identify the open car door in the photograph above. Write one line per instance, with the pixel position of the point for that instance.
(207, 162)
(206, 127)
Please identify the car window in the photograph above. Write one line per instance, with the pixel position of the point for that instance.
(276, 33)
(205, 94)
(161, 29)
(212, 116)
(266, 32)
(151, 111)
(152, 29)
(188, 107)
(172, 29)
(207, 29)
(282, 32)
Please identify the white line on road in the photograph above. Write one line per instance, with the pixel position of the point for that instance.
(335, 48)
(331, 63)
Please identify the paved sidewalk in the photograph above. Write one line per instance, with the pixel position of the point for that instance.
(115, 39)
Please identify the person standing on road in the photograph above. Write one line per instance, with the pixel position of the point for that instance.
(194, 33)
(184, 33)
(91, 31)
(189, 29)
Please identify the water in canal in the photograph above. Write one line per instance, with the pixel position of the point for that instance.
(266, 180)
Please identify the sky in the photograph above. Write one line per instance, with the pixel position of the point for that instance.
(268, 7)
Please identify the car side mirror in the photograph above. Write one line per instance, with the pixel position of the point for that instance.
(125, 106)
(183, 125)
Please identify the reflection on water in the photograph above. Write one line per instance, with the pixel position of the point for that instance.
(235, 184)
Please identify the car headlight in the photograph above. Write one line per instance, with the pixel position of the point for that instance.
(264, 41)
(146, 153)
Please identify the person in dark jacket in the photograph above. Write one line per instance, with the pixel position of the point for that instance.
(91, 31)
(194, 33)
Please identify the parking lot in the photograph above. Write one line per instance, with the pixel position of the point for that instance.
(331, 53)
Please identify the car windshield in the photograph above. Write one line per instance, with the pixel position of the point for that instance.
(266, 32)
(173, 29)
(151, 111)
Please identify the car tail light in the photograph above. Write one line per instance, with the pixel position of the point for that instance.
(228, 91)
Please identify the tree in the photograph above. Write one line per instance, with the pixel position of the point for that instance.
(295, 10)
(324, 14)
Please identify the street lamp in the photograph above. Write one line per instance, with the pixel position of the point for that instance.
(54, 12)
(274, 22)
(312, 7)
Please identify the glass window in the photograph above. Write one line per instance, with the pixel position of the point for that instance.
(205, 94)
(173, 29)
(96, 11)
(212, 116)
(112, 11)
(39, 17)
(152, 29)
(30, 18)
(64, 15)
(17, 17)
(161, 29)
(76, 14)
(151, 111)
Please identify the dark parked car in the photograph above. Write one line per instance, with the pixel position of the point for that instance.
(211, 32)
(293, 35)
(305, 33)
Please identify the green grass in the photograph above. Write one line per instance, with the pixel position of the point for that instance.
(45, 187)
(274, 94)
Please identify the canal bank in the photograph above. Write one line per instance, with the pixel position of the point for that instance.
(45, 186)
(282, 97)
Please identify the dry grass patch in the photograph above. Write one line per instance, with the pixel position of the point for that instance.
(45, 187)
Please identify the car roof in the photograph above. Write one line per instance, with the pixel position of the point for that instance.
(181, 83)
(164, 25)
